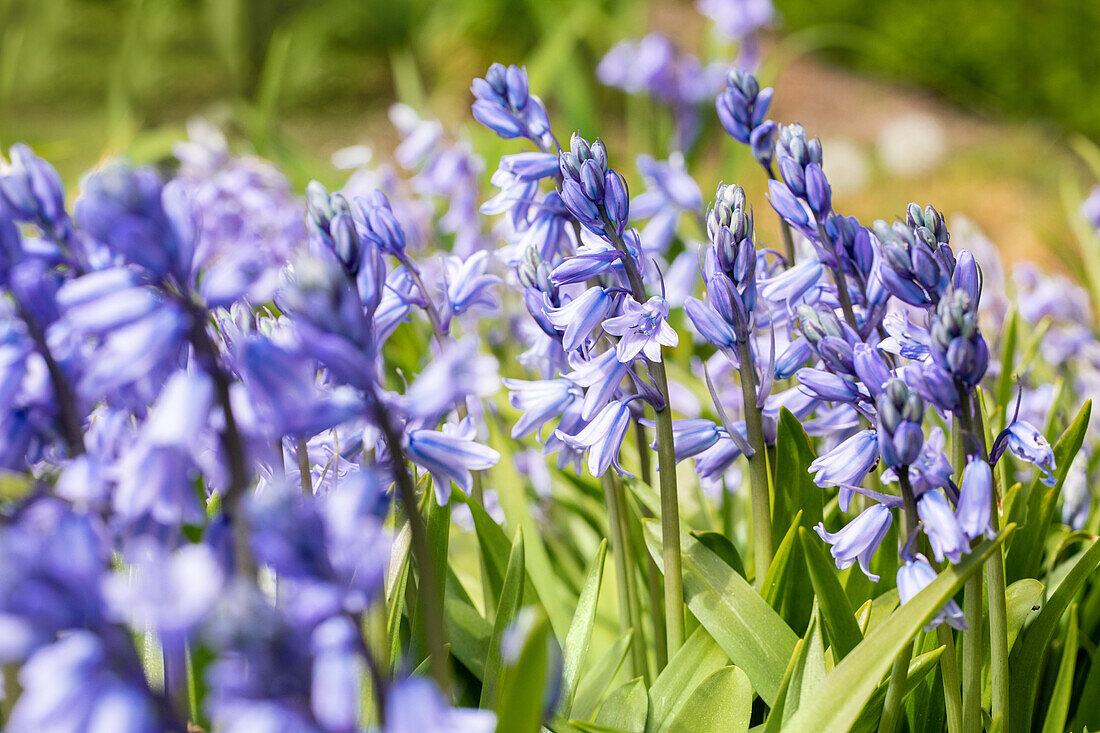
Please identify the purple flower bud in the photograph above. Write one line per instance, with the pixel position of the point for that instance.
(828, 386)
(787, 205)
(794, 357)
(616, 201)
(762, 143)
(819, 195)
(711, 326)
(967, 277)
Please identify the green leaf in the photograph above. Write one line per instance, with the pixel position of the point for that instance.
(468, 634)
(836, 612)
(580, 631)
(693, 662)
(519, 708)
(752, 635)
(1003, 392)
(1058, 707)
(595, 683)
(918, 669)
(780, 569)
(492, 541)
(1022, 599)
(850, 685)
(794, 484)
(510, 598)
(397, 581)
(721, 546)
(721, 704)
(626, 708)
(556, 598)
(1030, 648)
(808, 672)
(1025, 554)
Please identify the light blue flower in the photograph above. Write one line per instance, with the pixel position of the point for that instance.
(449, 455)
(859, 540)
(913, 577)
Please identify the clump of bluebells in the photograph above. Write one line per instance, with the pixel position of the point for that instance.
(235, 424)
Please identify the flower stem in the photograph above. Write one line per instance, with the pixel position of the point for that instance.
(71, 424)
(666, 466)
(303, 465)
(431, 603)
(758, 467)
(972, 656)
(629, 611)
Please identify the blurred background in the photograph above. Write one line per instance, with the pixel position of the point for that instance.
(982, 107)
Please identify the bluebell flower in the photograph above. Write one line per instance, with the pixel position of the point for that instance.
(591, 260)
(847, 464)
(602, 438)
(945, 534)
(871, 368)
(540, 401)
(139, 219)
(743, 105)
(828, 386)
(794, 210)
(506, 106)
(415, 705)
(904, 338)
(933, 384)
(692, 436)
(530, 166)
(899, 418)
(974, 507)
(601, 376)
(468, 287)
(379, 225)
(932, 469)
(449, 455)
(714, 463)
(738, 20)
(712, 326)
(670, 192)
(789, 287)
(284, 392)
(1027, 443)
(452, 376)
(915, 575)
(594, 193)
(581, 316)
(917, 261)
(75, 684)
(642, 329)
(33, 192)
(859, 540)
(957, 345)
(335, 694)
(762, 142)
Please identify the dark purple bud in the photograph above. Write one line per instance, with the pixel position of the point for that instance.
(580, 147)
(616, 200)
(967, 276)
(592, 181)
(793, 175)
(786, 205)
(578, 204)
(345, 241)
(570, 165)
(517, 87)
(762, 142)
(497, 119)
(819, 194)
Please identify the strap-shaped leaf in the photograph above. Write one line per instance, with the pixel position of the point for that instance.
(838, 703)
(836, 612)
(754, 637)
(693, 662)
(721, 704)
(510, 599)
(580, 631)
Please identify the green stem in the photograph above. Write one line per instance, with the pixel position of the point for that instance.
(949, 669)
(972, 656)
(666, 465)
(629, 610)
(994, 572)
(758, 466)
(895, 689)
(303, 466)
(431, 603)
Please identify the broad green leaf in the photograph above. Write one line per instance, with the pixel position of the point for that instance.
(1028, 652)
(519, 707)
(721, 546)
(794, 484)
(809, 671)
(721, 704)
(693, 662)
(626, 708)
(595, 683)
(850, 685)
(580, 631)
(836, 612)
(1022, 599)
(780, 569)
(510, 598)
(752, 635)
(1058, 707)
